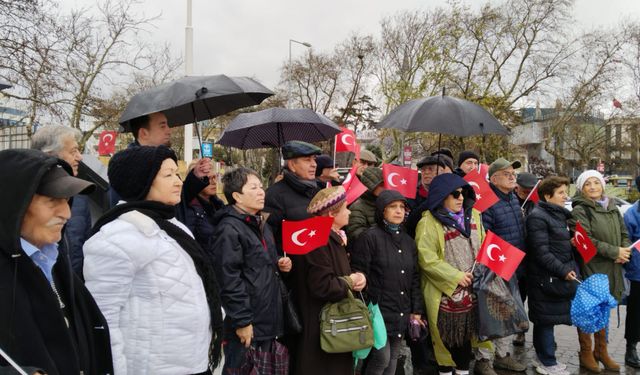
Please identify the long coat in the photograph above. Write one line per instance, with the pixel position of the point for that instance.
(315, 281)
(606, 229)
(438, 277)
(551, 258)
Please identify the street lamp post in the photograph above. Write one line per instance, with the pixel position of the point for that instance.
(308, 45)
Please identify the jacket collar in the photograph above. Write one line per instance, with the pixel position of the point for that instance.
(503, 196)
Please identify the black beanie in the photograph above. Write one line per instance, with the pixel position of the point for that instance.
(464, 155)
(132, 171)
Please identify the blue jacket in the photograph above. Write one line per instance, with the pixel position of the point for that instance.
(632, 221)
(505, 219)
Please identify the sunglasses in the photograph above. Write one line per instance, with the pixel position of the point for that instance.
(456, 194)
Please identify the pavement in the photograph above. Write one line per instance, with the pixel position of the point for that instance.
(568, 347)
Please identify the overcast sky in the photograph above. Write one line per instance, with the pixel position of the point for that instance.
(251, 37)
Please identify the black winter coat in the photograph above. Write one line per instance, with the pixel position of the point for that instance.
(247, 273)
(550, 257)
(33, 329)
(288, 199)
(198, 217)
(390, 263)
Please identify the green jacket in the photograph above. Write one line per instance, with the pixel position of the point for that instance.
(438, 277)
(606, 229)
(363, 216)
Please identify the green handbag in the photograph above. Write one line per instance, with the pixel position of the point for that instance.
(345, 326)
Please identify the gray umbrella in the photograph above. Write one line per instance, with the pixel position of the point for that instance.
(273, 127)
(445, 115)
(4, 85)
(195, 98)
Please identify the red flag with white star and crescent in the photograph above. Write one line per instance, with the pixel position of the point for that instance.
(485, 197)
(499, 255)
(583, 243)
(401, 179)
(304, 236)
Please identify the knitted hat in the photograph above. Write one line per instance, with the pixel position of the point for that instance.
(584, 176)
(327, 200)
(322, 162)
(132, 171)
(371, 178)
(467, 154)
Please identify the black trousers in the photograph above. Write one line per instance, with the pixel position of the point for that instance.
(632, 323)
(461, 355)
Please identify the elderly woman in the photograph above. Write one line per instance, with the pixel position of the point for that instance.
(151, 279)
(387, 256)
(448, 238)
(247, 268)
(601, 219)
(551, 269)
(318, 278)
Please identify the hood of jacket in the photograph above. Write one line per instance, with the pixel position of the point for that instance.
(23, 169)
(442, 185)
(384, 199)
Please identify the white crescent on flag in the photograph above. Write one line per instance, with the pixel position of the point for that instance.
(475, 186)
(344, 139)
(489, 249)
(294, 237)
(580, 240)
(107, 135)
(390, 179)
(347, 179)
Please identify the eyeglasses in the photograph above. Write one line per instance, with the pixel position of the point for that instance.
(456, 194)
(509, 174)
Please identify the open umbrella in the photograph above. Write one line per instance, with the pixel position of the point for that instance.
(445, 115)
(195, 98)
(4, 85)
(592, 304)
(274, 127)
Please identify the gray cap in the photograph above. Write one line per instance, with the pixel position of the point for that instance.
(57, 183)
(527, 180)
(368, 156)
(296, 149)
(502, 163)
(439, 159)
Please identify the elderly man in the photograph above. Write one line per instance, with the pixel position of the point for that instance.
(288, 198)
(367, 159)
(62, 142)
(48, 319)
(506, 220)
(467, 161)
(525, 182)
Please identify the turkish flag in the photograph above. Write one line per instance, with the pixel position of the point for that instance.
(636, 245)
(484, 170)
(349, 178)
(533, 194)
(301, 237)
(346, 141)
(485, 197)
(107, 142)
(585, 247)
(356, 189)
(403, 180)
(499, 255)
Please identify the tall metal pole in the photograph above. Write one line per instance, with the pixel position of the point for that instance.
(188, 70)
(308, 45)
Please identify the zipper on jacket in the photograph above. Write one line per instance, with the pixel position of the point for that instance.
(62, 305)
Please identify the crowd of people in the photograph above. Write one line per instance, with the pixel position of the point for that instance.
(175, 280)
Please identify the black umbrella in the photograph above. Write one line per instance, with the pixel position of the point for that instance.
(445, 115)
(4, 85)
(195, 98)
(274, 127)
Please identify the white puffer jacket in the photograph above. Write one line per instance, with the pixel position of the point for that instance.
(148, 289)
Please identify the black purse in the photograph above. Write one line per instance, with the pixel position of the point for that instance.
(292, 322)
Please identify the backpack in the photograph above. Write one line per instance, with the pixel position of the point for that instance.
(345, 326)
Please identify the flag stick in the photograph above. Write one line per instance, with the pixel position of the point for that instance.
(335, 141)
(474, 266)
(531, 192)
(576, 279)
(12, 363)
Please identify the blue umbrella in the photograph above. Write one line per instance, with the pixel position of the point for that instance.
(592, 304)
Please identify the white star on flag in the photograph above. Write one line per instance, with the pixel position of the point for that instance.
(403, 181)
(478, 196)
(312, 233)
(584, 246)
(502, 258)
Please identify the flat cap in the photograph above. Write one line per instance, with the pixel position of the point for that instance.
(527, 180)
(368, 156)
(439, 159)
(296, 149)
